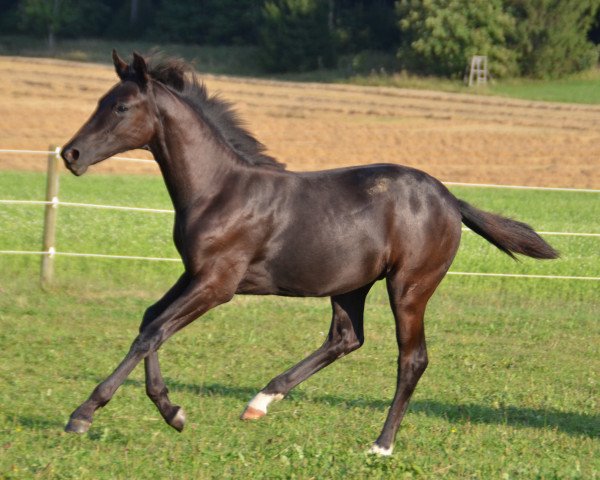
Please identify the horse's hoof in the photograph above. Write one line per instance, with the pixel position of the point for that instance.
(252, 413)
(77, 425)
(257, 408)
(178, 420)
(380, 451)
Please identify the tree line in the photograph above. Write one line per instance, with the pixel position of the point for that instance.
(538, 38)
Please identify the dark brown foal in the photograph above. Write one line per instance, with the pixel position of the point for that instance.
(244, 224)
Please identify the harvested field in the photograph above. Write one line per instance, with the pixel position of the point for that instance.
(454, 137)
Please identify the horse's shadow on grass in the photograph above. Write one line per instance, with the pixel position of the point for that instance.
(34, 422)
(571, 423)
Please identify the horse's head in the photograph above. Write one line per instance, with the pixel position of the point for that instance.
(125, 119)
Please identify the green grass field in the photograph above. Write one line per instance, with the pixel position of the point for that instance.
(582, 87)
(511, 391)
(578, 88)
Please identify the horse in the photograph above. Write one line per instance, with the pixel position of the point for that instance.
(244, 224)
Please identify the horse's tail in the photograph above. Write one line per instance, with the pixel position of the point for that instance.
(508, 235)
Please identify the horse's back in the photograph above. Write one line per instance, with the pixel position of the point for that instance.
(382, 197)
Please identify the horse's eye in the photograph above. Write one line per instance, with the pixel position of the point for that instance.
(121, 108)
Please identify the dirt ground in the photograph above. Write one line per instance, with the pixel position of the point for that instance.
(460, 138)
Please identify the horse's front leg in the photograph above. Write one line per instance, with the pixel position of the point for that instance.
(159, 393)
(197, 297)
(155, 385)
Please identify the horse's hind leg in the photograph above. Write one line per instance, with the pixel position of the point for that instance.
(345, 335)
(408, 300)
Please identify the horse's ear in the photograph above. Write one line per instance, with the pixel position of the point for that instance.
(120, 65)
(140, 69)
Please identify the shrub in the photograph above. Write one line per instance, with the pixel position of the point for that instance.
(212, 22)
(296, 36)
(551, 35)
(440, 36)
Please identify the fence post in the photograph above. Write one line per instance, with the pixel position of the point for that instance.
(47, 272)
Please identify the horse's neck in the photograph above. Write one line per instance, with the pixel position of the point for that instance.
(193, 161)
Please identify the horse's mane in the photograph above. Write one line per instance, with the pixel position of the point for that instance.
(179, 76)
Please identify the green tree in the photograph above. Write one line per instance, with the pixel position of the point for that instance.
(129, 19)
(296, 35)
(46, 16)
(440, 36)
(180, 21)
(234, 21)
(208, 21)
(366, 25)
(68, 17)
(552, 35)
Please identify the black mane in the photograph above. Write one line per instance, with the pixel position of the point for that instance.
(180, 77)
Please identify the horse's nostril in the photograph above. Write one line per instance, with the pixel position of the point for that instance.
(70, 154)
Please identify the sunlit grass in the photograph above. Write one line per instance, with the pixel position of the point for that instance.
(578, 88)
(511, 391)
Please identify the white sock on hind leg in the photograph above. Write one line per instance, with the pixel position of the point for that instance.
(262, 400)
(377, 450)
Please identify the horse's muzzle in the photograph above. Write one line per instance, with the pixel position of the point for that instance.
(70, 156)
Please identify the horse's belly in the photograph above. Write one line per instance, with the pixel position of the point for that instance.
(308, 272)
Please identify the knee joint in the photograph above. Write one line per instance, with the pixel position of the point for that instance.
(145, 343)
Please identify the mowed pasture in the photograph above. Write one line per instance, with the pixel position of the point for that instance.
(512, 387)
(455, 137)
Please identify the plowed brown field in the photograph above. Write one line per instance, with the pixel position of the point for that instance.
(454, 137)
